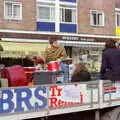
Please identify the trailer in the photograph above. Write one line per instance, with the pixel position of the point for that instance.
(47, 100)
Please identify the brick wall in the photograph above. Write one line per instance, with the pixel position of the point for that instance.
(107, 6)
(84, 6)
(117, 3)
(28, 21)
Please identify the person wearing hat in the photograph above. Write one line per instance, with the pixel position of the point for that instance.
(54, 52)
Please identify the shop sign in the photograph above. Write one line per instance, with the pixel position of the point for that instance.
(65, 96)
(76, 38)
(22, 99)
(70, 38)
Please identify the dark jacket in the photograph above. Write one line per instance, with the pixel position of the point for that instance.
(82, 76)
(110, 68)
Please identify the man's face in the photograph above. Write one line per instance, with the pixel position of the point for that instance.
(53, 43)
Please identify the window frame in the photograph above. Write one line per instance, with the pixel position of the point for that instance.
(68, 8)
(47, 5)
(92, 21)
(13, 4)
(117, 13)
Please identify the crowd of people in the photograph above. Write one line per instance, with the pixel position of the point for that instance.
(110, 65)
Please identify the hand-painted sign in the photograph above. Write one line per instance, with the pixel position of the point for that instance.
(65, 96)
(22, 99)
(72, 95)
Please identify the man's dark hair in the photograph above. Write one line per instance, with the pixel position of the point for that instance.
(110, 44)
(52, 39)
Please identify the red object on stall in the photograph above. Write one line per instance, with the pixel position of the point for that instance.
(53, 66)
(30, 84)
(16, 76)
(28, 72)
(29, 69)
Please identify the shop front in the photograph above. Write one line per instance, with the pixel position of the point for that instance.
(16, 52)
(89, 53)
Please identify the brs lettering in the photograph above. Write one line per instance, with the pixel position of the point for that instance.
(11, 100)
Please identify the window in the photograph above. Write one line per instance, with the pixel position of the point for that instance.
(97, 18)
(46, 12)
(67, 14)
(118, 19)
(12, 10)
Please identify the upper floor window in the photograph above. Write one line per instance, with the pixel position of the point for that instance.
(96, 18)
(118, 19)
(12, 10)
(46, 12)
(67, 14)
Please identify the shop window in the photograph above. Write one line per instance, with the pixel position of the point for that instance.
(67, 14)
(12, 10)
(96, 18)
(46, 12)
(118, 19)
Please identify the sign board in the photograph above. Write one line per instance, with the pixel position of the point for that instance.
(25, 99)
(71, 95)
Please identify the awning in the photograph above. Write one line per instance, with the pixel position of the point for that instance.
(1, 48)
(20, 49)
(83, 44)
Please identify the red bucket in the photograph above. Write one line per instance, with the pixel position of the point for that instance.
(53, 66)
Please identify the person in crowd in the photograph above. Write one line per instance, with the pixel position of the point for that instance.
(110, 67)
(57, 52)
(54, 52)
(36, 60)
(80, 74)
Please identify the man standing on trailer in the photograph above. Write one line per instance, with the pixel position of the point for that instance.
(110, 67)
(55, 51)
